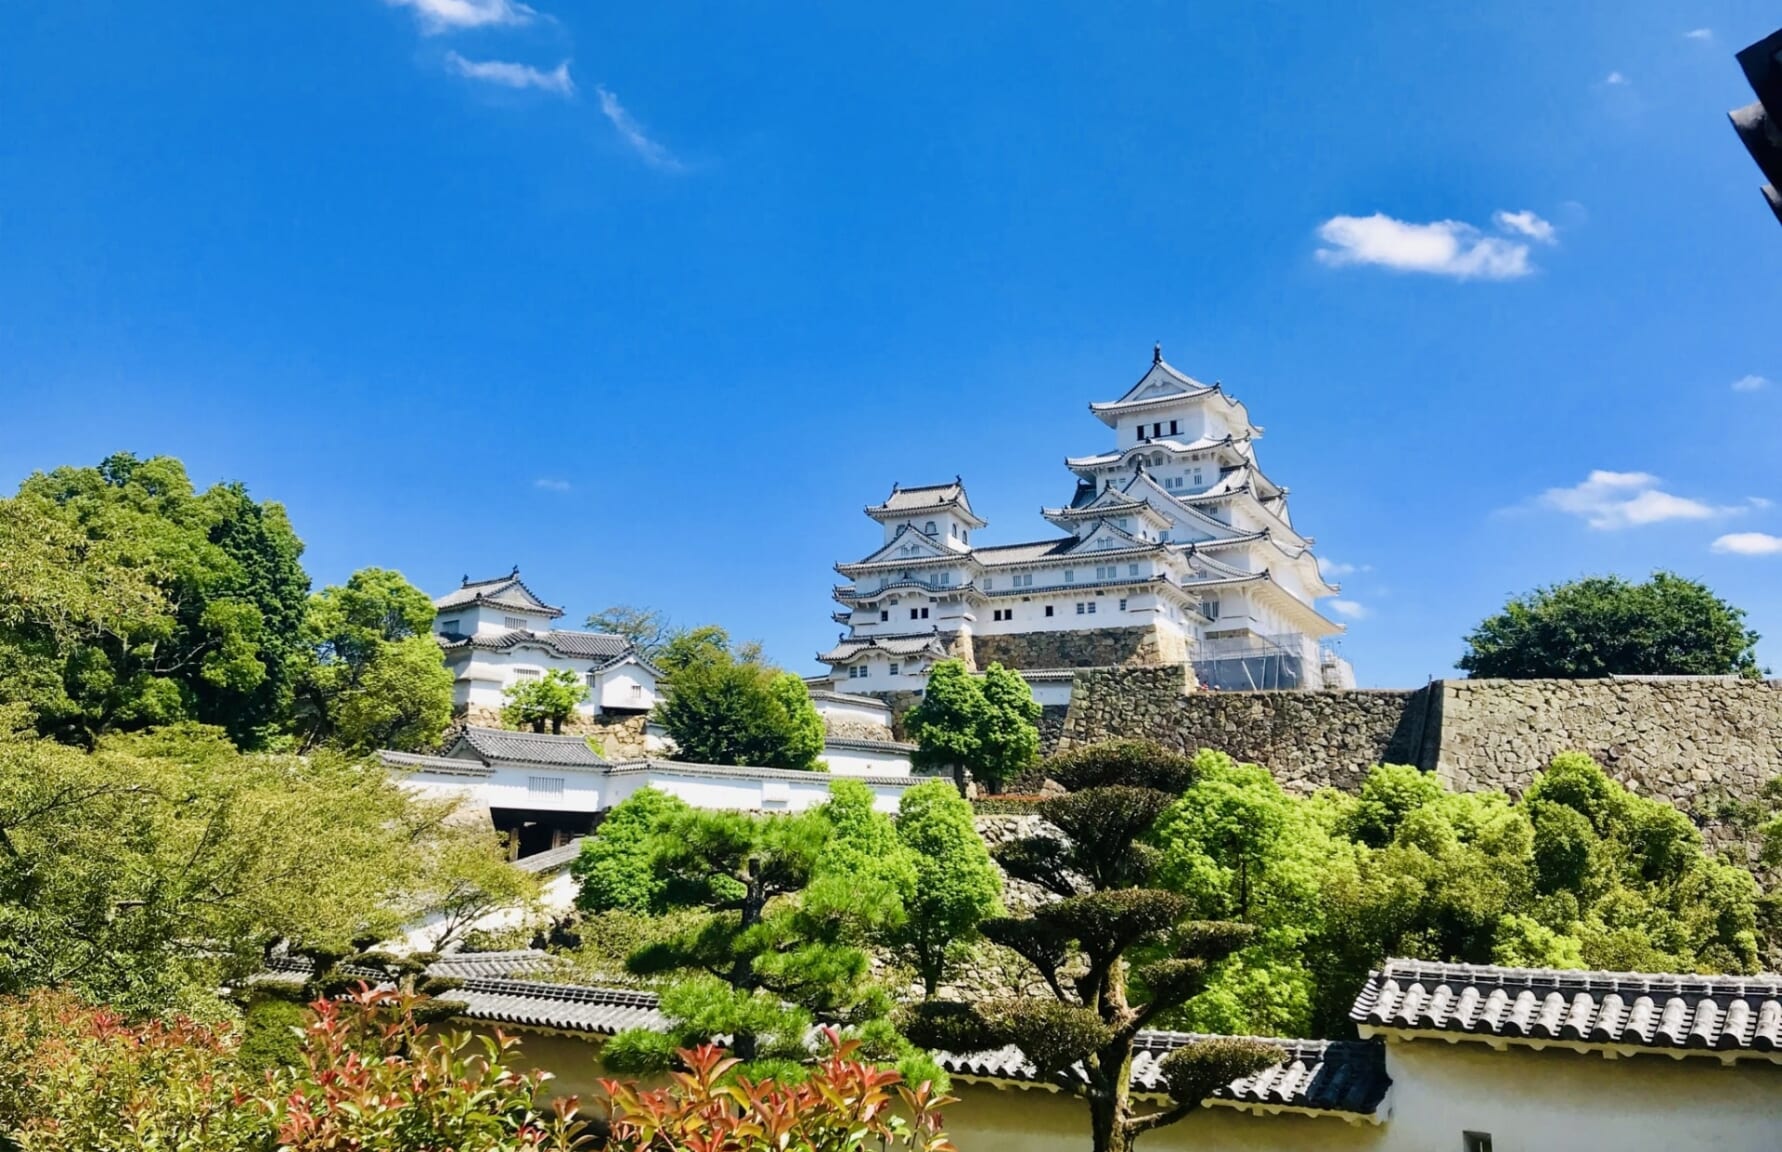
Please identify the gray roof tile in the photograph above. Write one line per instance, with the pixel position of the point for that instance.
(1725, 1014)
(495, 744)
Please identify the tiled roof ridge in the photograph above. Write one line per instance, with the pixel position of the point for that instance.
(1660, 1011)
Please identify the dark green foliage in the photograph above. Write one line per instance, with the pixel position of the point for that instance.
(133, 600)
(614, 870)
(987, 728)
(1086, 944)
(779, 910)
(723, 710)
(1105, 824)
(1608, 626)
(546, 701)
(1195, 1072)
(1129, 763)
(270, 1031)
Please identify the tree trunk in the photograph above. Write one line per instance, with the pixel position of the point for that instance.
(1107, 1129)
(556, 725)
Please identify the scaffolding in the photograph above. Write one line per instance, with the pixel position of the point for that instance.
(1258, 663)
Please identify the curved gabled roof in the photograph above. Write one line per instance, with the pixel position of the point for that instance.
(500, 592)
(927, 498)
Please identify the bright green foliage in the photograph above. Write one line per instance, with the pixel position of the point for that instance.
(706, 644)
(1578, 873)
(1607, 626)
(804, 733)
(138, 601)
(148, 871)
(1133, 954)
(375, 678)
(549, 700)
(720, 709)
(956, 886)
(468, 876)
(778, 942)
(614, 870)
(1009, 741)
(646, 628)
(989, 729)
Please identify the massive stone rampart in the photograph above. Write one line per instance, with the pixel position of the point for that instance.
(1685, 739)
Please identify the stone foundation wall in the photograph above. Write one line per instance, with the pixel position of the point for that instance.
(1098, 648)
(1692, 742)
(621, 737)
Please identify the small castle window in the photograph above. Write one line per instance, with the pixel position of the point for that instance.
(893, 669)
(928, 528)
(512, 622)
(1132, 569)
(450, 627)
(1122, 603)
(545, 785)
(1048, 609)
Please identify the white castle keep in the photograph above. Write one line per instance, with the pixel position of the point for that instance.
(1179, 551)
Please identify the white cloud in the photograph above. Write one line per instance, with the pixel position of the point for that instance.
(1751, 383)
(1612, 500)
(513, 75)
(654, 154)
(551, 484)
(1699, 34)
(1748, 544)
(438, 16)
(1329, 568)
(1615, 80)
(1442, 248)
(1350, 609)
(1526, 223)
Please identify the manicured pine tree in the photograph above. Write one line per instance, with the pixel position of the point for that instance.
(1098, 865)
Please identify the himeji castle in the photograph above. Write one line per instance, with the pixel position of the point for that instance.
(1178, 550)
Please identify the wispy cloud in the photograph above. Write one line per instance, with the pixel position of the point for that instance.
(1608, 501)
(1751, 383)
(438, 16)
(1349, 609)
(1699, 34)
(1330, 568)
(653, 153)
(1526, 223)
(1748, 544)
(552, 484)
(1450, 248)
(1616, 80)
(511, 75)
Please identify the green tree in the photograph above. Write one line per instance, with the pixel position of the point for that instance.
(550, 699)
(776, 945)
(647, 629)
(614, 871)
(1099, 866)
(148, 871)
(376, 678)
(205, 621)
(1608, 626)
(989, 729)
(467, 877)
(707, 644)
(721, 710)
(955, 887)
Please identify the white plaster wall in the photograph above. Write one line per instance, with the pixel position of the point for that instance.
(865, 712)
(628, 686)
(1560, 1101)
(855, 762)
(512, 787)
(1050, 692)
(741, 793)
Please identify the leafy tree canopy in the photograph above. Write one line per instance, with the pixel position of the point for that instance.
(614, 871)
(549, 700)
(988, 728)
(131, 600)
(647, 629)
(1608, 626)
(1578, 872)
(955, 885)
(375, 678)
(724, 709)
(144, 873)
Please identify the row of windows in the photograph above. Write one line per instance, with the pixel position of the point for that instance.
(864, 671)
(1084, 608)
(1157, 430)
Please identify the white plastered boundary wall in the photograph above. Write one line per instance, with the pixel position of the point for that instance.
(1526, 1100)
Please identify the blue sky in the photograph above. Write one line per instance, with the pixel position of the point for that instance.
(651, 299)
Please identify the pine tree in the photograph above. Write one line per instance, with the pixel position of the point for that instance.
(1098, 865)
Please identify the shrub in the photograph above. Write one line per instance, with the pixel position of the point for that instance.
(842, 1105)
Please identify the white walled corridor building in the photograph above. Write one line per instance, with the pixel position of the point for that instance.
(495, 633)
(1179, 549)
